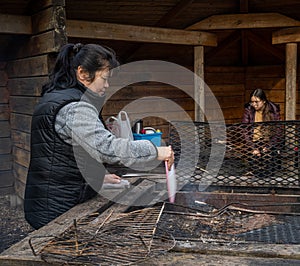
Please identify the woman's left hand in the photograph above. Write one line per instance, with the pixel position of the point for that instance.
(265, 150)
(112, 179)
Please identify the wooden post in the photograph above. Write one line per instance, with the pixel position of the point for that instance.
(291, 76)
(199, 86)
(290, 95)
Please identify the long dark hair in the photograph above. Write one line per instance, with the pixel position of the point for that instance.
(267, 112)
(91, 57)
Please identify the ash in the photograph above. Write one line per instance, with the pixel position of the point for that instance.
(13, 226)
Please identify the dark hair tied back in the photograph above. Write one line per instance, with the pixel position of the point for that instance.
(77, 47)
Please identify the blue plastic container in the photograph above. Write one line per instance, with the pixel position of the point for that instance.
(155, 138)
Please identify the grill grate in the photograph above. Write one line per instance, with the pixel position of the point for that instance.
(201, 146)
(230, 225)
(129, 238)
(126, 239)
(287, 231)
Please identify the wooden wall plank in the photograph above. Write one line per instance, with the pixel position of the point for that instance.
(227, 85)
(21, 139)
(140, 90)
(227, 89)
(265, 71)
(224, 78)
(5, 145)
(3, 78)
(20, 122)
(14, 24)
(23, 105)
(4, 111)
(19, 187)
(151, 106)
(21, 156)
(21, 172)
(4, 95)
(44, 43)
(6, 179)
(31, 86)
(5, 162)
(4, 129)
(48, 19)
(28, 67)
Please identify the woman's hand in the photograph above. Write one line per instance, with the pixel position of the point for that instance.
(256, 152)
(112, 179)
(265, 150)
(166, 154)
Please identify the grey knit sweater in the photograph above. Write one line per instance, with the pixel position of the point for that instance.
(77, 123)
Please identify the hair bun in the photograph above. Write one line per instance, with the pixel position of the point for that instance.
(77, 47)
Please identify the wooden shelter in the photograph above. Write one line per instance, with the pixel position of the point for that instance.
(235, 46)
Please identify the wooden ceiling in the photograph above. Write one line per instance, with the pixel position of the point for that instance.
(239, 43)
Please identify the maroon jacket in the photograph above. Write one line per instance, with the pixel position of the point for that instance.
(249, 117)
(249, 112)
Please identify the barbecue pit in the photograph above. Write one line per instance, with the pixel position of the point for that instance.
(229, 215)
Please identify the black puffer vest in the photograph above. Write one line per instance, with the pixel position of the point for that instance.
(57, 175)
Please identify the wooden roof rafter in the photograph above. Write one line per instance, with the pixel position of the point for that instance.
(245, 21)
(174, 12)
(265, 45)
(232, 38)
(163, 22)
(246, 36)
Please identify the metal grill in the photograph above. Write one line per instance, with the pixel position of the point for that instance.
(122, 240)
(199, 148)
(230, 224)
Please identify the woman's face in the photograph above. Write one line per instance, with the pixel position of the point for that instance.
(100, 82)
(257, 103)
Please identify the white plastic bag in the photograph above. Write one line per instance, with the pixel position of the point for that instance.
(120, 125)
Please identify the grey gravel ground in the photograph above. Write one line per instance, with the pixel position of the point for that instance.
(13, 226)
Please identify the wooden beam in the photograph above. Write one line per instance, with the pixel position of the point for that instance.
(291, 77)
(107, 31)
(199, 88)
(15, 24)
(245, 21)
(290, 35)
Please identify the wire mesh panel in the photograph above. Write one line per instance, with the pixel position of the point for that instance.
(256, 154)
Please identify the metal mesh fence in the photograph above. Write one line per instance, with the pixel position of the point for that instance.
(256, 154)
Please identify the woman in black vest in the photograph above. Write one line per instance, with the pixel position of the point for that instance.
(69, 142)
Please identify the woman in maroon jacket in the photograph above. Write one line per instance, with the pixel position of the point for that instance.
(263, 139)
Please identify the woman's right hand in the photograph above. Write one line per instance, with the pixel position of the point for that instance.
(166, 153)
(256, 153)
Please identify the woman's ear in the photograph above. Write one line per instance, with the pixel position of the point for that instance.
(82, 75)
